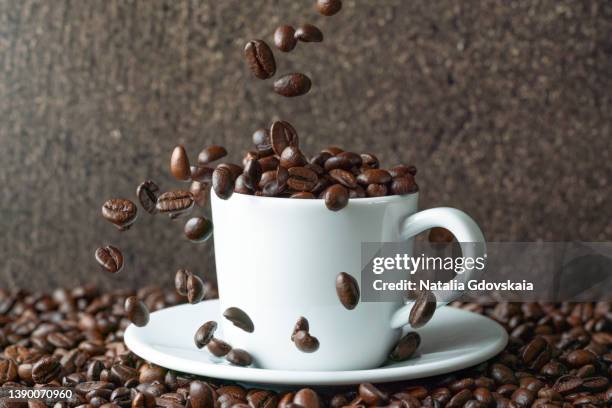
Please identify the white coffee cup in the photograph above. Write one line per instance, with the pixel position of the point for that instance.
(277, 259)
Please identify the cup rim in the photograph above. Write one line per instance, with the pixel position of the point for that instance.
(365, 201)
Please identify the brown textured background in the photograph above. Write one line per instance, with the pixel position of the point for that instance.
(505, 107)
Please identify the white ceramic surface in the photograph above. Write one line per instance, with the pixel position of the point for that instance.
(456, 339)
(277, 259)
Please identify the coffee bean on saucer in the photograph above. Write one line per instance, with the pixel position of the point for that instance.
(308, 33)
(110, 258)
(175, 203)
(439, 235)
(198, 229)
(180, 281)
(121, 212)
(284, 38)
(223, 182)
(239, 318)
(371, 395)
(179, 164)
(347, 290)
(252, 174)
(260, 59)
(291, 85)
(261, 140)
(282, 135)
(301, 324)
(205, 334)
(336, 197)
(423, 309)
(136, 311)
(147, 196)
(404, 185)
(376, 190)
(211, 154)
(328, 7)
(195, 289)
(46, 369)
(405, 347)
(239, 357)
(218, 347)
(305, 342)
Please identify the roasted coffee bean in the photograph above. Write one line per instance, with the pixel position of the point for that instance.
(320, 158)
(301, 179)
(180, 281)
(201, 173)
(199, 191)
(252, 173)
(240, 186)
(328, 7)
(405, 347)
(284, 38)
(121, 212)
(353, 158)
(347, 289)
(218, 347)
(268, 163)
(376, 190)
(205, 334)
(374, 176)
(357, 192)
(268, 176)
(536, 353)
(261, 140)
(439, 235)
(283, 135)
(175, 203)
(344, 177)
(502, 374)
(303, 195)
(338, 162)
(223, 182)
(239, 357)
(579, 358)
(404, 185)
(336, 197)
(308, 33)
(9, 371)
(121, 373)
(143, 400)
(201, 395)
(291, 85)
(301, 324)
(110, 258)
(523, 397)
(372, 395)
(239, 318)
(147, 196)
(305, 342)
(136, 311)
(211, 154)
(46, 370)
(401, 171)
(195, 289)
(272, 189)
(198, 229)
(292, 157)
(423, 309)
(260, 59)
(281, 176)
(179, 164)
(307, 398)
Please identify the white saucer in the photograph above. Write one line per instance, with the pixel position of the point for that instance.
(453, 340)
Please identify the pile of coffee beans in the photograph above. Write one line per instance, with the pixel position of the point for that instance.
(559, 355)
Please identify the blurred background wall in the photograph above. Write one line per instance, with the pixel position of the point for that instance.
(504, 107)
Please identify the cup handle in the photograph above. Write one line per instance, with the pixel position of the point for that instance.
(465, 230)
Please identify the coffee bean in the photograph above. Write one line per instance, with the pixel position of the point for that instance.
(303, 195)
(201, 173)
(372, 395)
(336, 197)
(305, 342)
(439, 235)
(218, 347)
(260, 59)
(195, 289)
(261, 140)
(201, 395)
(46, 370)
(579, 358)
(404, 185)
(223, 182)
(143, 400)
(239, 318)
(200, 192)
(179, 164)
(301, 179)
(240, 186)
(252, 173)
(301, 324)
(292, 157)
(121, 212)
(369, 161)
(234, 169)
(211, 154)
(180, 281)
(284, 38)
(338, 162)
(374, 176)
(328, 7)
(347, 290)
(122, 373)
(401, 171)
(308, 33)
(136, 311)
(110, 258)
(198, 229)
(291, 85)
(376, 190)
(423, 309)
(205, 334)
(307, 398)
(283, 135)
(239, 357)
(344, 177)
(320, 159)
(405, 347)
(272, 189)
(536, 353)
(357, 192)
(523, 397)
(8, 370)
(175, 203)
(147, 196)
(503, 374)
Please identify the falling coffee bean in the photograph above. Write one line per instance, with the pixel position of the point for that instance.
(239, 357)
(260, 59)
(308, 33)
(211, 154)
(239, 318)
(439, 235)
(284, 38)
(136, 311)
(291, 85)
(423, 309)
(301, 324)
(120, 212)
(175, 203)
(179, 164)
(198, 229)
(205, 334)
(406, 346)
(218, 347)
(110, 258)
(147, 196)
(200, 192)
(223, 182)
(328, 7)
(180, 281)
(347, 290)
(305, 342)
(195, 289)
(336, 197)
